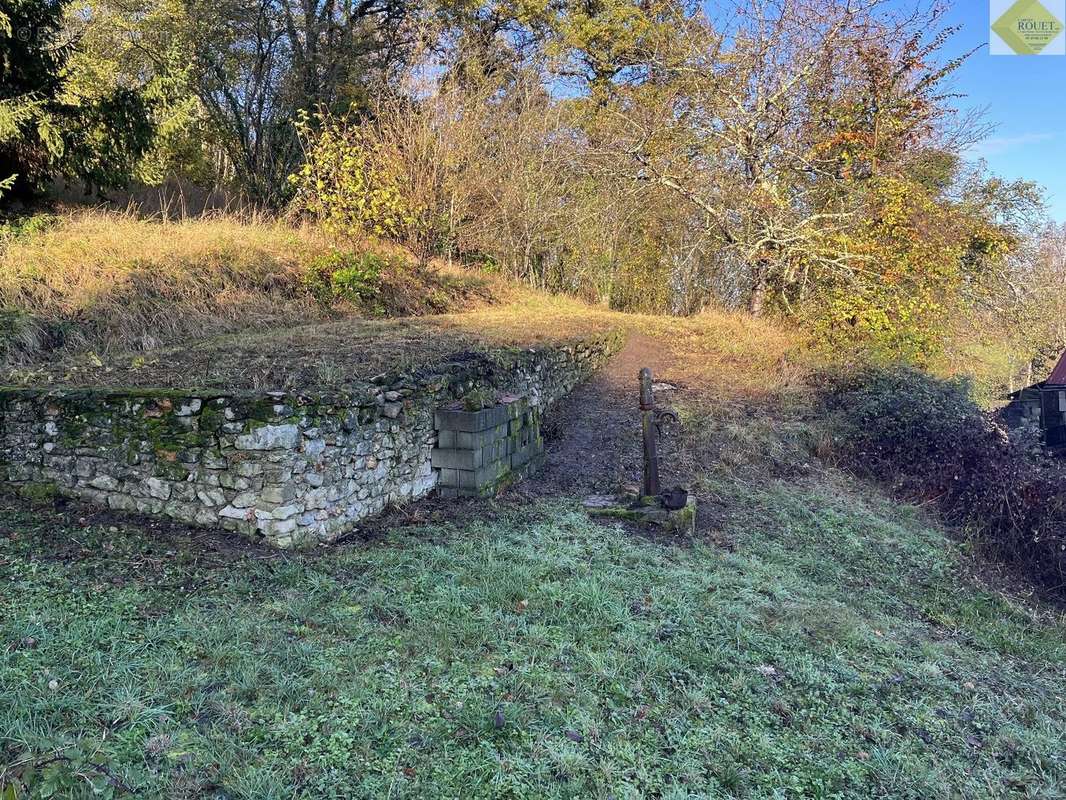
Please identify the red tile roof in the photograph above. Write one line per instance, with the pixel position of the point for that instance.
(1058, 375)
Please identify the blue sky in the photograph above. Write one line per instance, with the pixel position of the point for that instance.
(1024, 97)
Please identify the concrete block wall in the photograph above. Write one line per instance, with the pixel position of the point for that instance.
(478, 451)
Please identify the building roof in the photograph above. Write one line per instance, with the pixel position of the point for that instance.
(1034, 392)
(1058, 375)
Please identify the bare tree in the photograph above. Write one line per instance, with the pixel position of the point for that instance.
(769, 112)
(262, 61)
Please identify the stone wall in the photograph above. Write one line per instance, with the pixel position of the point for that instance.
(294, 469)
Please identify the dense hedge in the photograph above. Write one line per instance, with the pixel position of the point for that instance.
(932, 443)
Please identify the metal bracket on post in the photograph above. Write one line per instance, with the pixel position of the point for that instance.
(651, 422)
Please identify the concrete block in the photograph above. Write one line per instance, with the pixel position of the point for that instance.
(456, 459)
(470, 421)
(517, 409)
(472, 441)
(483, 476)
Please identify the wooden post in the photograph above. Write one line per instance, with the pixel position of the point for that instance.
(648, 428)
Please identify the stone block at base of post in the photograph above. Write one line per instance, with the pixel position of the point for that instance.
(645, 511)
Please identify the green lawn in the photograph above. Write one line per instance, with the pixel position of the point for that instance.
(815, 646)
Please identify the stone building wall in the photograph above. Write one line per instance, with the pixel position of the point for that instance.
(294, 469)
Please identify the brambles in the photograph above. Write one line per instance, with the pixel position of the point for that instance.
(930, 441)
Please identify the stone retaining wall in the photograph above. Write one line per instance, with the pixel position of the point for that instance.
(295, 469)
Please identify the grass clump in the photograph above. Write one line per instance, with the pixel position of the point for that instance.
(817, 647)
(344, 277)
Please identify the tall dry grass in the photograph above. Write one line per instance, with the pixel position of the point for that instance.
(119, 282)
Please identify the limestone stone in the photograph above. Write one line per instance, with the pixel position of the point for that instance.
(284, 512)
(270, 437)
(245, 500)
(235, 513)
(189, 408)
(278, 493)
(211, 497)
(104, 482)
(158, 488)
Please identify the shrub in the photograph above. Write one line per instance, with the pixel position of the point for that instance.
(929, 440)
(26, 226)
(345, 277)
(349, 181)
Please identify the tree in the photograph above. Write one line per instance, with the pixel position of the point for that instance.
(260, 62)
(775, 113)
(31, 61)
(47, 128)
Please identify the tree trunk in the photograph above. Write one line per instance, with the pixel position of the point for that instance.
(757, 300)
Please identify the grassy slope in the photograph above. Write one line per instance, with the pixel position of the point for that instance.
(820, 646)
(95, 286)
(815, 641)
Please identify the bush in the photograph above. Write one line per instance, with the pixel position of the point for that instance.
(349, 181)
(932, 443)
(20, 227)
(345, 277)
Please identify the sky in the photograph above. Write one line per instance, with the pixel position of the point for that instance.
(1024, 98)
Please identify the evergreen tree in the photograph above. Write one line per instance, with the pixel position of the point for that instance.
(45, 129)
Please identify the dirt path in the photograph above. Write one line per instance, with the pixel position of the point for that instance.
(592, 438)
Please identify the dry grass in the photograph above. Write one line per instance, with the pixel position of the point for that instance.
(131, 284)
(729, 358)
(327, 355)
(218, 302)
(105, 283)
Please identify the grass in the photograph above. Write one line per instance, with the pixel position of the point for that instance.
(727, 358)
(329, 354)
(105, 284)
(103, 298)
(814, 640)
(131, 284)
(816, 646)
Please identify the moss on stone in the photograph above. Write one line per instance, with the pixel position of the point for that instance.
(169, 467)
(211, 418)
(648, 511)
(254, 409)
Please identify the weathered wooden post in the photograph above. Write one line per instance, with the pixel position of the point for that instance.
(650, 429)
